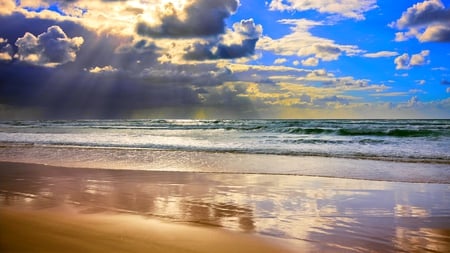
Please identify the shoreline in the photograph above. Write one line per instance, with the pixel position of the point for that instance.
(227, 163)
(374, 158)
(285, 212)
(58, 167)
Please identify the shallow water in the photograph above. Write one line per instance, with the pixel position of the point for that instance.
(334, 215)
(235, 163)
(424, 141)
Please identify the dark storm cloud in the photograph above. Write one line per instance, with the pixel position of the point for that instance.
(210, 51)
(187, 74)
(64, 92)
(200, 51)
(246, 48)
(243, 38)
(69, 90)
(110, 77)
(200, 18)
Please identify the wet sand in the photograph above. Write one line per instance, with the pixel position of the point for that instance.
(67, 231)
(51, 208)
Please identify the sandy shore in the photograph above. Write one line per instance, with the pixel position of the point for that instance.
(58, 209)
(36, 221)
(67, 231)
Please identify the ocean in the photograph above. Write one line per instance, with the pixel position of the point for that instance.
(339, 185)
(413, 150)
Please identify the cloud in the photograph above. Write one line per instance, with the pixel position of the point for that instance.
(322, 51)
(438, 33)
(6, 50)
(413, 101)
(310, 62)
(300, 42)
(424, 13)
(51, 48)
(180, 63)
(248, 29)
(243, 49)
(236, 43)
(68, 92)
(151, 18)
(419, 59)
(279, 61)
(194, 18)
(404, 61)
(7, 7)
(421, 82)
(103, 70)
(427, 21)
(241, 41)
(330, 100)
(380, 54)
(345, 8)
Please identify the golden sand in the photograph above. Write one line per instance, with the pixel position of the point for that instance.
(67, 231)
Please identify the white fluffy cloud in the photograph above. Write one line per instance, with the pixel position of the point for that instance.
(280, 61)
(347, 8)
(51, 48)
(419, 59)
(300, 42)
(426, 21)
(7, 6)
(103, 70)
(404, 61)
(310, 62)
(380, 54)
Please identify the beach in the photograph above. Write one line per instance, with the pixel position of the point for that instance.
(231, 185)
(66, 230)
(42, 209)
(52, 208)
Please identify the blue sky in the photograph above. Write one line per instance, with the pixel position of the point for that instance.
(224, 59)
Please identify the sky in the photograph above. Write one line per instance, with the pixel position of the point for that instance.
(213, 59)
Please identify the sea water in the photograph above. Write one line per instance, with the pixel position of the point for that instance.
(294, 146)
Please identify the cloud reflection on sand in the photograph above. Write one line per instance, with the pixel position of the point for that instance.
(332, 214)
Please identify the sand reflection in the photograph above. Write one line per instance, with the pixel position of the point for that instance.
(177, 196)
(332, 214)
